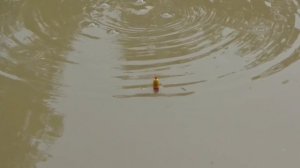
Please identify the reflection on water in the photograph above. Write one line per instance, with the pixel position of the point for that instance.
(34, 35)
(185, 43)
(154, 95)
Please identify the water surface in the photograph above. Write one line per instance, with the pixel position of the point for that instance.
(75, 83)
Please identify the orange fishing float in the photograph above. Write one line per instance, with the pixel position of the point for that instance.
(156, 84)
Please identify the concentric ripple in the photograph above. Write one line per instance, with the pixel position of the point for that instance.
(189, 42)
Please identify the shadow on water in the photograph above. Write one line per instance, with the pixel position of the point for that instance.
(34, 35)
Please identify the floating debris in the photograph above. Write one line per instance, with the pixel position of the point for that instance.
(104, 6)
(139, 2)
(144, 11)
(166, 15)
(156, 84)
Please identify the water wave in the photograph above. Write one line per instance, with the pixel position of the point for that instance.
(180, 41)
(168, 37)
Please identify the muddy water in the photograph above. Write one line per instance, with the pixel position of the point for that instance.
(75, 83)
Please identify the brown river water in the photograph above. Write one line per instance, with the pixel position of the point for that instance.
(76, 75)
